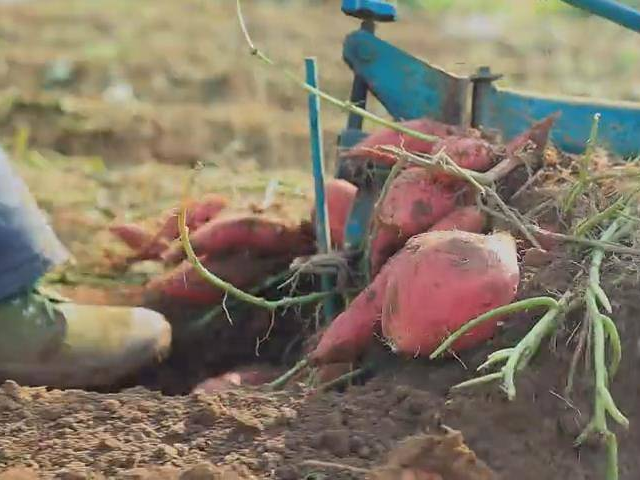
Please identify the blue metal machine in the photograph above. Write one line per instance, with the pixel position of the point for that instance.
(410, 88)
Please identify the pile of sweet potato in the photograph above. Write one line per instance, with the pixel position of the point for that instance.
(434, 268)
(243, 250)
(433, 261)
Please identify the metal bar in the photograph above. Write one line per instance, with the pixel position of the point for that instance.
(359, 88)
(323, 233)
(612, 10)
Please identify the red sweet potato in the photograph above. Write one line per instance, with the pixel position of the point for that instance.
(146, 245)
(351, 332)
(132, 234)
(185, 285)
(386, 241)
(466, 219)
(150, 246)
(547, 241)
(441, 280)
(198, 213)
(414, 202)
(259, 235)
(251, 375)
(537, 136)
(467, 152)
(385, 136)
(340, 196)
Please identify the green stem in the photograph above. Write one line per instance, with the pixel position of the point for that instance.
(478, 381)
(611, 444)
(232, 289)
(495, 357)
(583, 174)
(612, 210)
(614, 340)
(528, 346)
(603, 328)
(477, 179)
(527, 304)
(343, 379)
(206, 318)
(347, 106)
(591, 145)
(462, 172)
(282, 380)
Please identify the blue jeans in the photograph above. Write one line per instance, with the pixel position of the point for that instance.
(28, 245)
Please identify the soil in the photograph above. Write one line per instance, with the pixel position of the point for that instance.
(137, 433)
(251, 433)
(92, 160)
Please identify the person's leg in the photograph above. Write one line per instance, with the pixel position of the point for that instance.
(28, 245)
(44, 342)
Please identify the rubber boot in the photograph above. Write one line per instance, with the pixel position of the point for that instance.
(66, 345)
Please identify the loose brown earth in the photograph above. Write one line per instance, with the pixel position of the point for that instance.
(137, 433)
(199, 107)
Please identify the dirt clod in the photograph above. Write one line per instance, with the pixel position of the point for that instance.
(434, 457)
(109, 443)
(207, 415)
(202, 471)
(336, 442)
(19, 473)
(76, 475)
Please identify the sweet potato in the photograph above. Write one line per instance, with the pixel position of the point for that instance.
(441, 280)
(198, 213)
(385, 136)
(537, 136)
(133, 235)
(466, 219)
(251, 375)
(386, 241)
(340, 196)
(184, 283)
(414, 202)
(145, 245)
(259, 235)
(351, 332)
(418, 294)
(418, 198)
(467, 152)
(150, 246)
(548, 241)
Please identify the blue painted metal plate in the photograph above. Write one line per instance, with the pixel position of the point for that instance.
(512, 112)
(407, 87)
(378, 10)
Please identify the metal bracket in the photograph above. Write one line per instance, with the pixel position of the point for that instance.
(407, 87)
